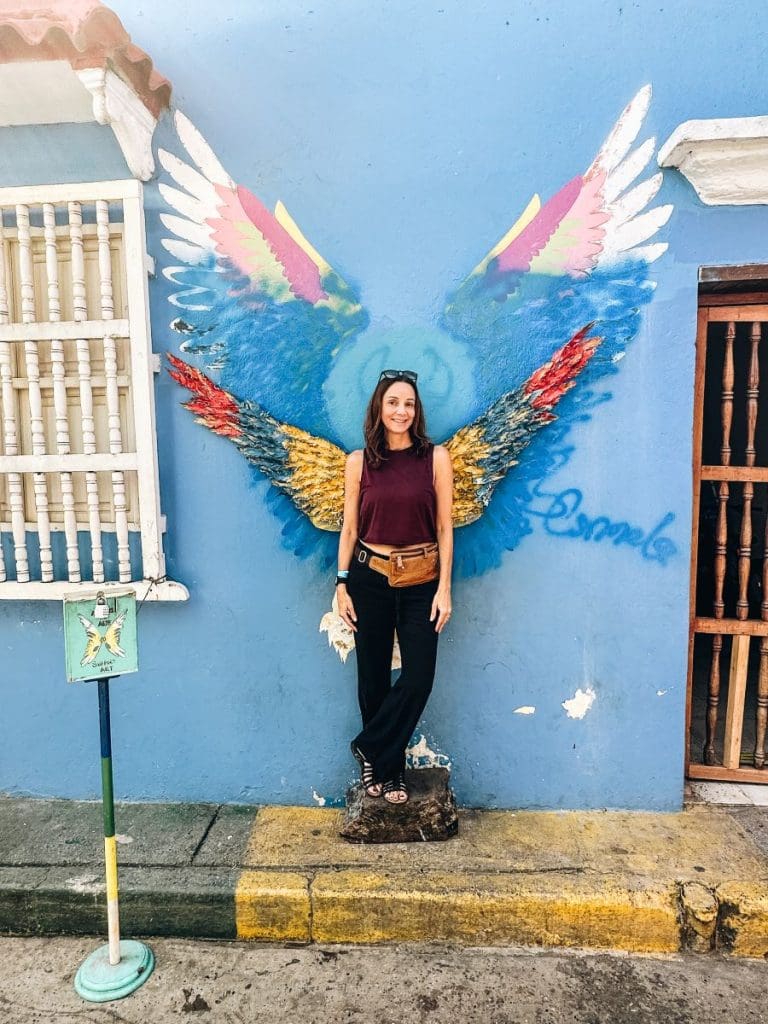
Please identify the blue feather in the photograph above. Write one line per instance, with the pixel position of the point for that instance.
(277, 354)
(612, 298)
(298, 535)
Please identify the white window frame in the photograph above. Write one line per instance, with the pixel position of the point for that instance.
(143, 365)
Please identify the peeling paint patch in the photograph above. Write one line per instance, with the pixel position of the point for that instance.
(319, 800)
(526, 709)
(420, 755)
(89, 884)
(660, 693)
(578, 705)
(342, 639)
(340, 636)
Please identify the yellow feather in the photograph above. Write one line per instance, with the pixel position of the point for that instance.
(520, 224)
(285, 220)
(468, 450)
(317, 477)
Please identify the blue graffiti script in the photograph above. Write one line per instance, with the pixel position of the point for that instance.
(560, 516)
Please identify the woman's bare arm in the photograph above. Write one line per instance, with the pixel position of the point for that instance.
(348, 536)
(441, 606)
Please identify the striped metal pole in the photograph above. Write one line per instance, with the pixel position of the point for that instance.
(118, 968)
(108, 810)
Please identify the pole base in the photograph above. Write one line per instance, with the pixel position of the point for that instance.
(98, 981)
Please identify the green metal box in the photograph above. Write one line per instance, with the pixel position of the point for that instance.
(100, 635)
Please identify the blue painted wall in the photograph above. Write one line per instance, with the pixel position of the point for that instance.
(405, 138)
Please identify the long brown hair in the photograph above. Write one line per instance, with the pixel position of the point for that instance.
(373, 427)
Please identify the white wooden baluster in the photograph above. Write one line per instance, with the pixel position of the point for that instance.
(60, 393)
(80, 312)
(5, 354)
(3, 573)
(10, 433)
(29, 316)
(113, 400)
(15, 490)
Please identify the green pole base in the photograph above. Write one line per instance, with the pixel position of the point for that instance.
(98, 981)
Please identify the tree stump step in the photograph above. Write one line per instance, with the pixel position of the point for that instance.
(430, 814)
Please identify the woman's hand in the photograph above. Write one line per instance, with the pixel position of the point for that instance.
(346, 608)
(441, 608)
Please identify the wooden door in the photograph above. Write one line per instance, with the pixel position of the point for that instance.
(727, 704)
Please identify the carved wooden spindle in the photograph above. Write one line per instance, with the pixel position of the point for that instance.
(761, 714)
(10, 431)
(113, 398)
(713, 699)
(80, 312)
(60, 393)
(29, 316)
(761, 717)
(5, 358)
(745, 534)
(721, 545)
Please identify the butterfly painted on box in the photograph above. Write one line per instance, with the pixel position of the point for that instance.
(554, 302)
(110, 638)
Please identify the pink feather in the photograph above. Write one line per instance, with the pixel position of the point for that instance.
(571, 222)
(532, 239)
(240, 213)
(584, 243)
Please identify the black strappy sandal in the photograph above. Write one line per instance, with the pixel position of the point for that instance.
(369, 783)
(396, 785)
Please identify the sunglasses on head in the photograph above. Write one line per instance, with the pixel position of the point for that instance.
(410, 375)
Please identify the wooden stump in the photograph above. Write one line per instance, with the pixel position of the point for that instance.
(428, 816)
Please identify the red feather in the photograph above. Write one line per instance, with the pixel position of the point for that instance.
(213, 406)
(551, 381)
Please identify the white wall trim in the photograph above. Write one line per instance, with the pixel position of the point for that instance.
(116, 104)
(146, 590)
(725, 159)
(51, 92)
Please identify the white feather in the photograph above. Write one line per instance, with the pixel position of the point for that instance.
(185, 252)
(624, 132)
(628, 170)
(637, 230)
(190, 179)
(186, 205)
(190, 307)
(634, 201)
(201, 152)
(198, 234)
(649, 253)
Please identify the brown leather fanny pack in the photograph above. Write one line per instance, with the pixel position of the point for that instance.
(403, 567)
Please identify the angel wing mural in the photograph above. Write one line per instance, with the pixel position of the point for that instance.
(266, 319)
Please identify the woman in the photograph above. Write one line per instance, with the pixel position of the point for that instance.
(395, 556)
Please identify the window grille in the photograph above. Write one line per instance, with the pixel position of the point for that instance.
(727, 707)
(79, 495)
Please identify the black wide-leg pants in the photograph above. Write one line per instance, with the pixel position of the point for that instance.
(391, 712)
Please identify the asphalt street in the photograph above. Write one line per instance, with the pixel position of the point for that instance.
(240, 983)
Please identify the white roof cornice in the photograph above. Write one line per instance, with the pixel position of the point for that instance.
(725, 159)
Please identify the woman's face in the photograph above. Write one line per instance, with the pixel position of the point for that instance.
(398, 407)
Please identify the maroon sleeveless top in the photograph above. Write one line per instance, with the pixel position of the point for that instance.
(397, 501)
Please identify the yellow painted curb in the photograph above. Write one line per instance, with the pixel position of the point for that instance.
(487, 910)
(743, 918)
(272, 906)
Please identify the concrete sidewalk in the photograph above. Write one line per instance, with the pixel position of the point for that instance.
(642, 882)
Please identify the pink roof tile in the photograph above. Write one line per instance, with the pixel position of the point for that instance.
(88, 35)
